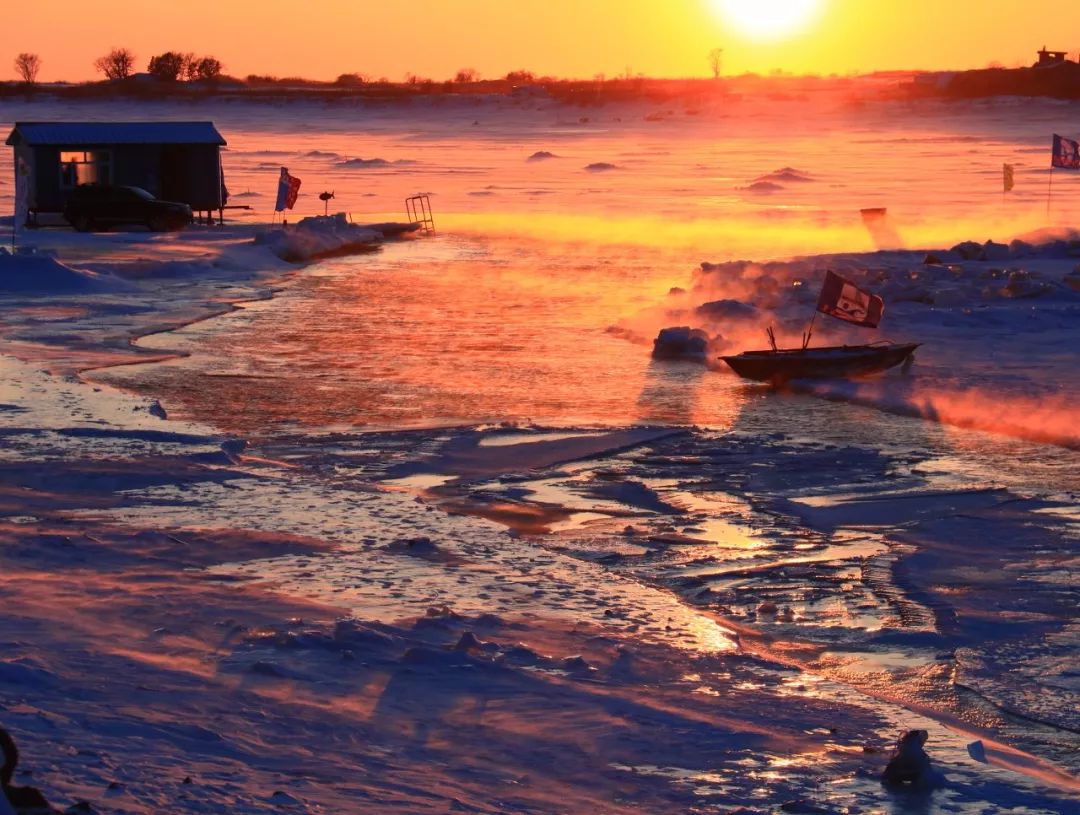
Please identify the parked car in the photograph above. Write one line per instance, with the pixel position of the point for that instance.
(96, 206)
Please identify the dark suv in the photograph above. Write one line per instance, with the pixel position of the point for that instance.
(95, 206)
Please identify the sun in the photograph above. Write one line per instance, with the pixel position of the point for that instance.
(768, 19)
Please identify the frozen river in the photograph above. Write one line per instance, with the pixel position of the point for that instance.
(914, 539)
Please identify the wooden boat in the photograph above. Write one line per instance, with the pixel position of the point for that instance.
(842, 299)
(828, 362)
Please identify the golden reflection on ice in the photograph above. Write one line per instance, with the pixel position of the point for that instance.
(708, 635)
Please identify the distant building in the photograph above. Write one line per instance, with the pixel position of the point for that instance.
(1048, 58)
(176, 161)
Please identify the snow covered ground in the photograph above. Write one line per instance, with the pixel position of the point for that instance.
(722, 599)
(196, 627)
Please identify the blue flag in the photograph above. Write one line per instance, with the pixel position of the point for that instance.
(1066, 153)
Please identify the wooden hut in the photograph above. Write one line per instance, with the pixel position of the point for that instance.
(175, 161)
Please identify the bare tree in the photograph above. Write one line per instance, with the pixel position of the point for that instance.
(205, 68)
(27, 66)
(352, 80)
(716, 61)
(467, 75)
(191, 67)
(168, 66)
(116, 64)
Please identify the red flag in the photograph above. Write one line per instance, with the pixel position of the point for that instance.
(1066, 154)
(844, 300)
(288, 189)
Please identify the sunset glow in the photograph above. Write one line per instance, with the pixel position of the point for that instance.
(437, 39)
(768, 19)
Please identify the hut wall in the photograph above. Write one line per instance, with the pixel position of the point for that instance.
(181, 172)
(45, 191)
(191, 173)
(137, 165)
(27, 155)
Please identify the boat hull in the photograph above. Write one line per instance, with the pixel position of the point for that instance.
(836, 362)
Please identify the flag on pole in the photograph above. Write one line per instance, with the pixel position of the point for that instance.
(288, 189)
(844, 300)
(1007, 174)
(1066, 154)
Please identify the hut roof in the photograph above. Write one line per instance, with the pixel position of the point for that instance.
(91, 133)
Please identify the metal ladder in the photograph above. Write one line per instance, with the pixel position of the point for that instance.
(418, 211)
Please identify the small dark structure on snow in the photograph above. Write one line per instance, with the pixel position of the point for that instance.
(1048, 58)
(175, 161)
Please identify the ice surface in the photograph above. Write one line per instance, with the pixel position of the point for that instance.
(589, 612)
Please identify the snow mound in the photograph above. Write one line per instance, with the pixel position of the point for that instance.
(319, 237)
(31, 272)
(365, 163)
(764, 186)
(373, 163)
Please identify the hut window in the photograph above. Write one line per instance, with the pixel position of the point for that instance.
(85, 167)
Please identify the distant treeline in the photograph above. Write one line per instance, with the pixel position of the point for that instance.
(1061, 81)
(519, 85)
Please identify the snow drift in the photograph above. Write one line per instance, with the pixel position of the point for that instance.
(32, 272)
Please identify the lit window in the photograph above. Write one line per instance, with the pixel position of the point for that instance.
(85, 167)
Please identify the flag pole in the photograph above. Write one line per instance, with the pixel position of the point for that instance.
(1049, 187)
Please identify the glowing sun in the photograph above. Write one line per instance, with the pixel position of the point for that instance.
(767, 19)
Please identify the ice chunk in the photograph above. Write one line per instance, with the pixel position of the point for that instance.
(968, 250)
(728, 309)
(681, 342)
(319, 237)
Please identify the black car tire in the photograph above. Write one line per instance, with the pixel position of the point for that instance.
(82, 223)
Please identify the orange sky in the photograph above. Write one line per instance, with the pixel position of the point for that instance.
(575, 38)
